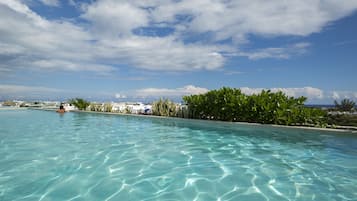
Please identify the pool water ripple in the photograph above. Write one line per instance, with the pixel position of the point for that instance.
(78, 156)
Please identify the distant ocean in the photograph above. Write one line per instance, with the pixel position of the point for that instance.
(319, 106)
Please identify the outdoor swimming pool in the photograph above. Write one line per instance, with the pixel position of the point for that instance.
(79, 156)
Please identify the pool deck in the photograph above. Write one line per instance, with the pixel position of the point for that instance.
(342, 129)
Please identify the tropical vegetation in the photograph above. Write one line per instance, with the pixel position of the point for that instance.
(342, 114)
(230, 104)
(345, 105)
(80, 103)
(342, 119)
(164, 107)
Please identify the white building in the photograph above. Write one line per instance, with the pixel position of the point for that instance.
(69, 107)
(118, 107)
(133, 108)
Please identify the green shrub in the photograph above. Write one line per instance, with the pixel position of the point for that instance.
(80, 103)
(230, 104)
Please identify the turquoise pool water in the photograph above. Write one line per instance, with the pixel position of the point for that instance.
(78, 156)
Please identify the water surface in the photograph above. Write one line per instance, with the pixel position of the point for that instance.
(79, 156)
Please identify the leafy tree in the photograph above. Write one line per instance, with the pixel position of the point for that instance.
(80, 103)
(345, 105)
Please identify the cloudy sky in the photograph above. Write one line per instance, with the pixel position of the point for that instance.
(133, 49)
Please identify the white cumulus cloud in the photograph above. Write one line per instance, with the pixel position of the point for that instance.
(112, 33)
(31, 42)
(114, 17)
(229, 19)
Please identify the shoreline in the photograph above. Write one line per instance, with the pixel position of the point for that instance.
(341, 129)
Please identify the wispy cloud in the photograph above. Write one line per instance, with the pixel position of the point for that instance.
(13, 91)
(72, 3)
(344, 94)
(49, 64)
(50, 2)
(166, 92)
(277, 52)
(16, 89)
(21, 91)
(310, 92)
(230, 72)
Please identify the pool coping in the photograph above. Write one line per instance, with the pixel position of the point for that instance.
(12, 108)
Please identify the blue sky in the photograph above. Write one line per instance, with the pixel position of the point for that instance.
(122, 50)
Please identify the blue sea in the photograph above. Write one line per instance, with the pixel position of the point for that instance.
(46, 156)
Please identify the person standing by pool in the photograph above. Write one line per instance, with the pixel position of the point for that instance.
(61, 109)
